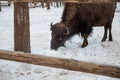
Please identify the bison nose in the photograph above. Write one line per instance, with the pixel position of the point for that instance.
(53, 47)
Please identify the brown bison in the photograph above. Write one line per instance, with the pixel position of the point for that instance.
(79, 18)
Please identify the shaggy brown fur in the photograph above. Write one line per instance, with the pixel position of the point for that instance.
(93, 10)
(80, 18)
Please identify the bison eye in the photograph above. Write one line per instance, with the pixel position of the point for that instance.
(60, 39)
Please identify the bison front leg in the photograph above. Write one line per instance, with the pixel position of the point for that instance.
(105, 34)
(110, 33)
(85, 41)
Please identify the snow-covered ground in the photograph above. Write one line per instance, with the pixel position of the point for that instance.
(107, 53)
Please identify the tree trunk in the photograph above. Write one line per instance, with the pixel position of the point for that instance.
(57, 4)
(0, 6)
(48, 4)
(51, 4)
(21, 27)
(69, 64)
(9, 2)
(42, 4)
(60, 3)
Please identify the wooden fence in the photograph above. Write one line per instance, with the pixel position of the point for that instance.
(69, 64)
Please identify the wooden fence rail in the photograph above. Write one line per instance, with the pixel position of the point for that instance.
(69, 64)
(66, 0)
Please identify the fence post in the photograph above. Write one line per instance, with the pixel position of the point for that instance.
(21, 27)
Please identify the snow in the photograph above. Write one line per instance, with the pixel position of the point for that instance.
(107, 53)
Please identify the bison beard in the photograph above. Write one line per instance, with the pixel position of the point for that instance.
(79, 18)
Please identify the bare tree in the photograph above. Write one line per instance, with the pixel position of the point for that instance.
(0, 5)
(42, 4)
(21, 27)
(48, 4)
(57, 3)
(9, 2)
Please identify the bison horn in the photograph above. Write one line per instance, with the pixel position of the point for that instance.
(51, 24)
(68, 31)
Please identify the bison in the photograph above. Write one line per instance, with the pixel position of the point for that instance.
(79, 18)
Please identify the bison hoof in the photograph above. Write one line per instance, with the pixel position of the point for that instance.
(111, 39)
(84, 45)
(103, 40)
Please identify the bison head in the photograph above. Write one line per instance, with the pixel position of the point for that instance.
(59, 35)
